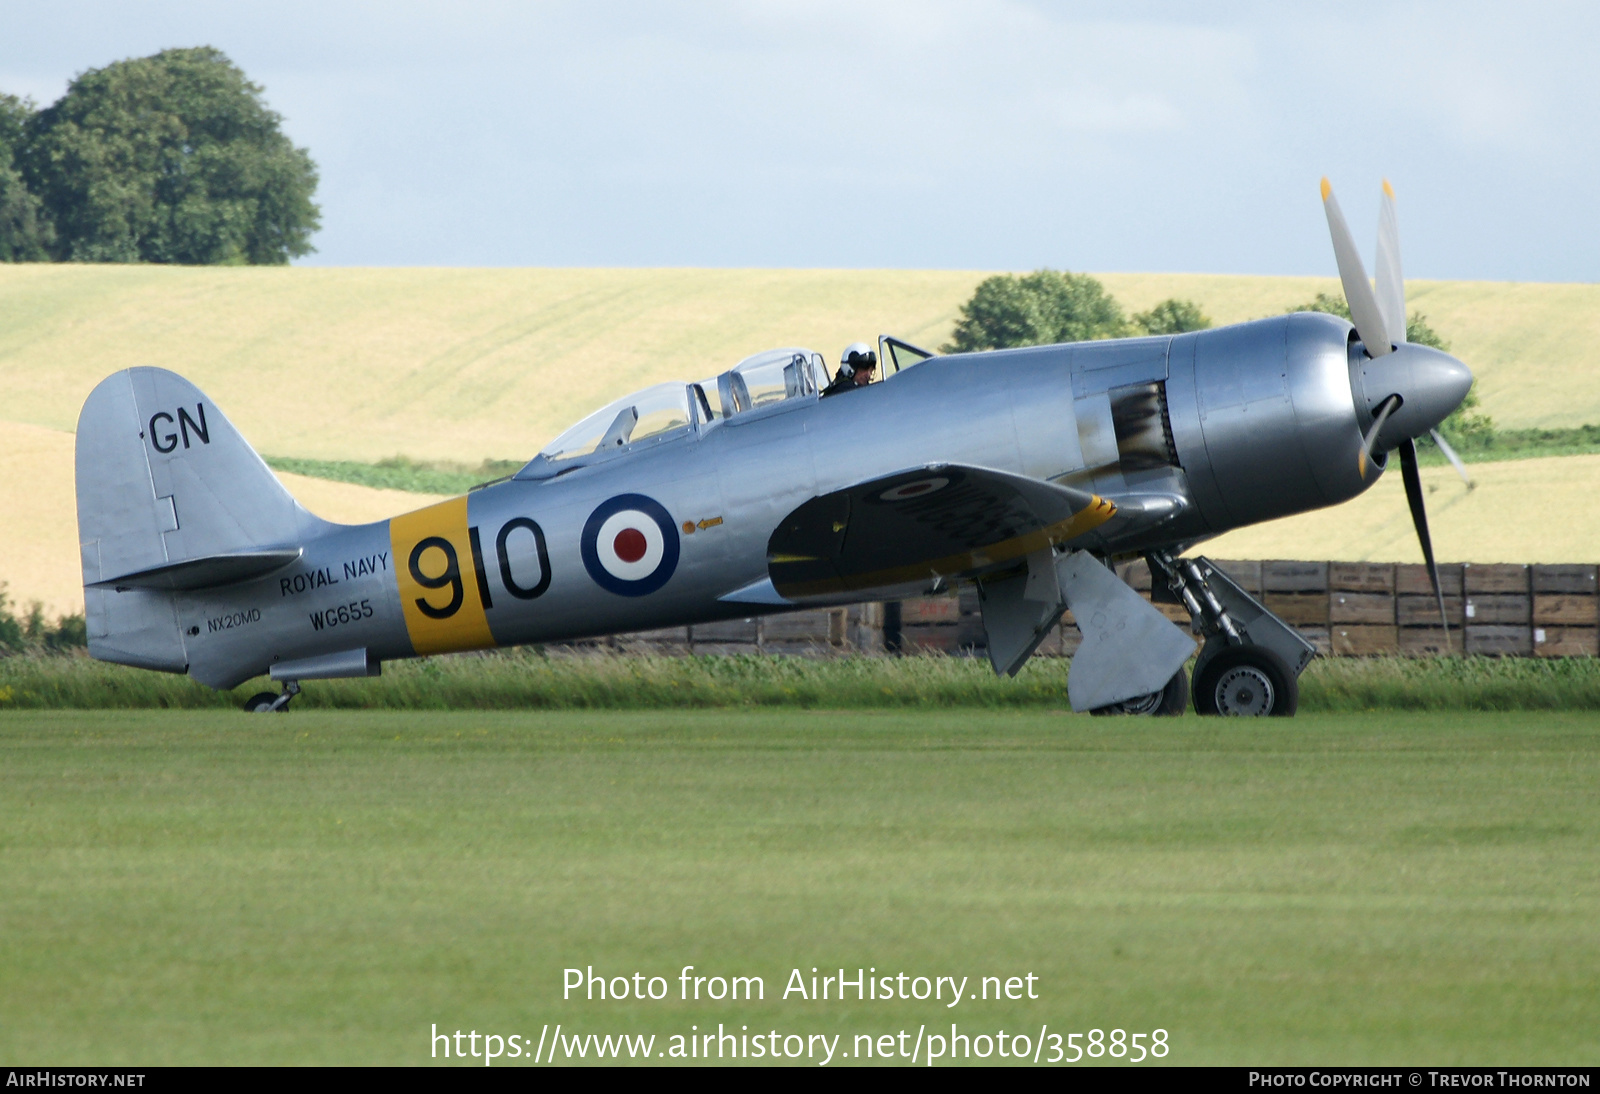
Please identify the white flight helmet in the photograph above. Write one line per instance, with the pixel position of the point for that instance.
(857, 355)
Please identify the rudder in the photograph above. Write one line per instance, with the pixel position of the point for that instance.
(170, 497)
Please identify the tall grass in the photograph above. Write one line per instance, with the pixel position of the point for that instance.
(532, 680)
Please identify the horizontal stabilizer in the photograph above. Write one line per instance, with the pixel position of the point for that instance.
(941, 521)
(207, 572)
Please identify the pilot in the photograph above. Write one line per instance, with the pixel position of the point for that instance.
(856, 366)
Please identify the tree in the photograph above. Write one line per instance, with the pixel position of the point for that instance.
(1466, 424)
(1171, 316)
(1040, 308)
(171, 158)
(25, 229)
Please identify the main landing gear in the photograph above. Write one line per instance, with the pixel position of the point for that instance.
(1168, 702)
(265, 702)
(1246, 680)
(1251, 661)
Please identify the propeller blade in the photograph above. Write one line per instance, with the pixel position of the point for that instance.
(1391, 286)
(1385, 408)
(1455, 460)
(1353, 275)
(1419, 518)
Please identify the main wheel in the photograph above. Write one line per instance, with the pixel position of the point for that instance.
(1168, 702)
(1247, 681)
(260, 703)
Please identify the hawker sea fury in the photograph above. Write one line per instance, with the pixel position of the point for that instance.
(769, 488)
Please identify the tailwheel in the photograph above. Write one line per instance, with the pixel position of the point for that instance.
(1246, 681)
(1168, 702)
(264, 702)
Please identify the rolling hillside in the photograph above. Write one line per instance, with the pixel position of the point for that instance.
(471, 364)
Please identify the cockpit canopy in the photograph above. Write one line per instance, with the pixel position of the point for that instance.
(663, 411)
(768, 378)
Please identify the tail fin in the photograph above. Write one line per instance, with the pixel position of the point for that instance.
(170, 497)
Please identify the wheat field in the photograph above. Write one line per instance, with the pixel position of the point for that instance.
(468, 364)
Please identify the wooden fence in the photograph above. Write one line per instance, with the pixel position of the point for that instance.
(1345, 609)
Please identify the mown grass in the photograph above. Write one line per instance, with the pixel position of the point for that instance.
(202, 888)
(533, 680)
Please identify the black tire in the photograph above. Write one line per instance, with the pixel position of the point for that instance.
(1174, 697)
(1168, 702)
(1246, 680)
(260, 703)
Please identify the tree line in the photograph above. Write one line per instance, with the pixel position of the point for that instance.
(172, 158)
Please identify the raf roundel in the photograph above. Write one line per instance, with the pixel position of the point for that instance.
(630, 545)
(915, 489)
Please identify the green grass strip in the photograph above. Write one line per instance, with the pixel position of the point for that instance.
(1513, 444)
(530, 680)
(399, 473)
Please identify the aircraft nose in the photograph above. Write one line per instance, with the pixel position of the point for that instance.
(1430, 383)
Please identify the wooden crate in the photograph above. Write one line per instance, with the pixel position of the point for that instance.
(1361, 577)
(1504, 608)
(1365, 641)
(726, 649)
(1566, 641)
(1175, 612)
(728, 630)
(1493, 640)
(1423, 611)
(814, 625)
(930, 610)
(1319, 637)
(1362, 608)
(814, 650)
(1575, 580)
(1136, 574)
(1246, 573)
(1496, 577)
(1285, 576)
(930, 638)
(667, 642)
(1411, 578)
(1429, 641)
(1565, 610)
(1299, 609)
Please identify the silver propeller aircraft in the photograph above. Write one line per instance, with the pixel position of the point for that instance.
(1024, 471)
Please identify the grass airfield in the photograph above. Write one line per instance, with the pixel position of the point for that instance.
(202, 887)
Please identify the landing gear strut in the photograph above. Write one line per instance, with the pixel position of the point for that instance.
(1251, 662)
(265, 702)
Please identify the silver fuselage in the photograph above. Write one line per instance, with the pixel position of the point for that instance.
(1241, 424)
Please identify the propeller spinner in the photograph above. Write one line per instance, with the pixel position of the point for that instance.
(1407, 388)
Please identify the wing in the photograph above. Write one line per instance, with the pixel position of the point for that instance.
(943, 521)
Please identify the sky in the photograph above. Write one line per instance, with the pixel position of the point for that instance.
(1135, 136)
